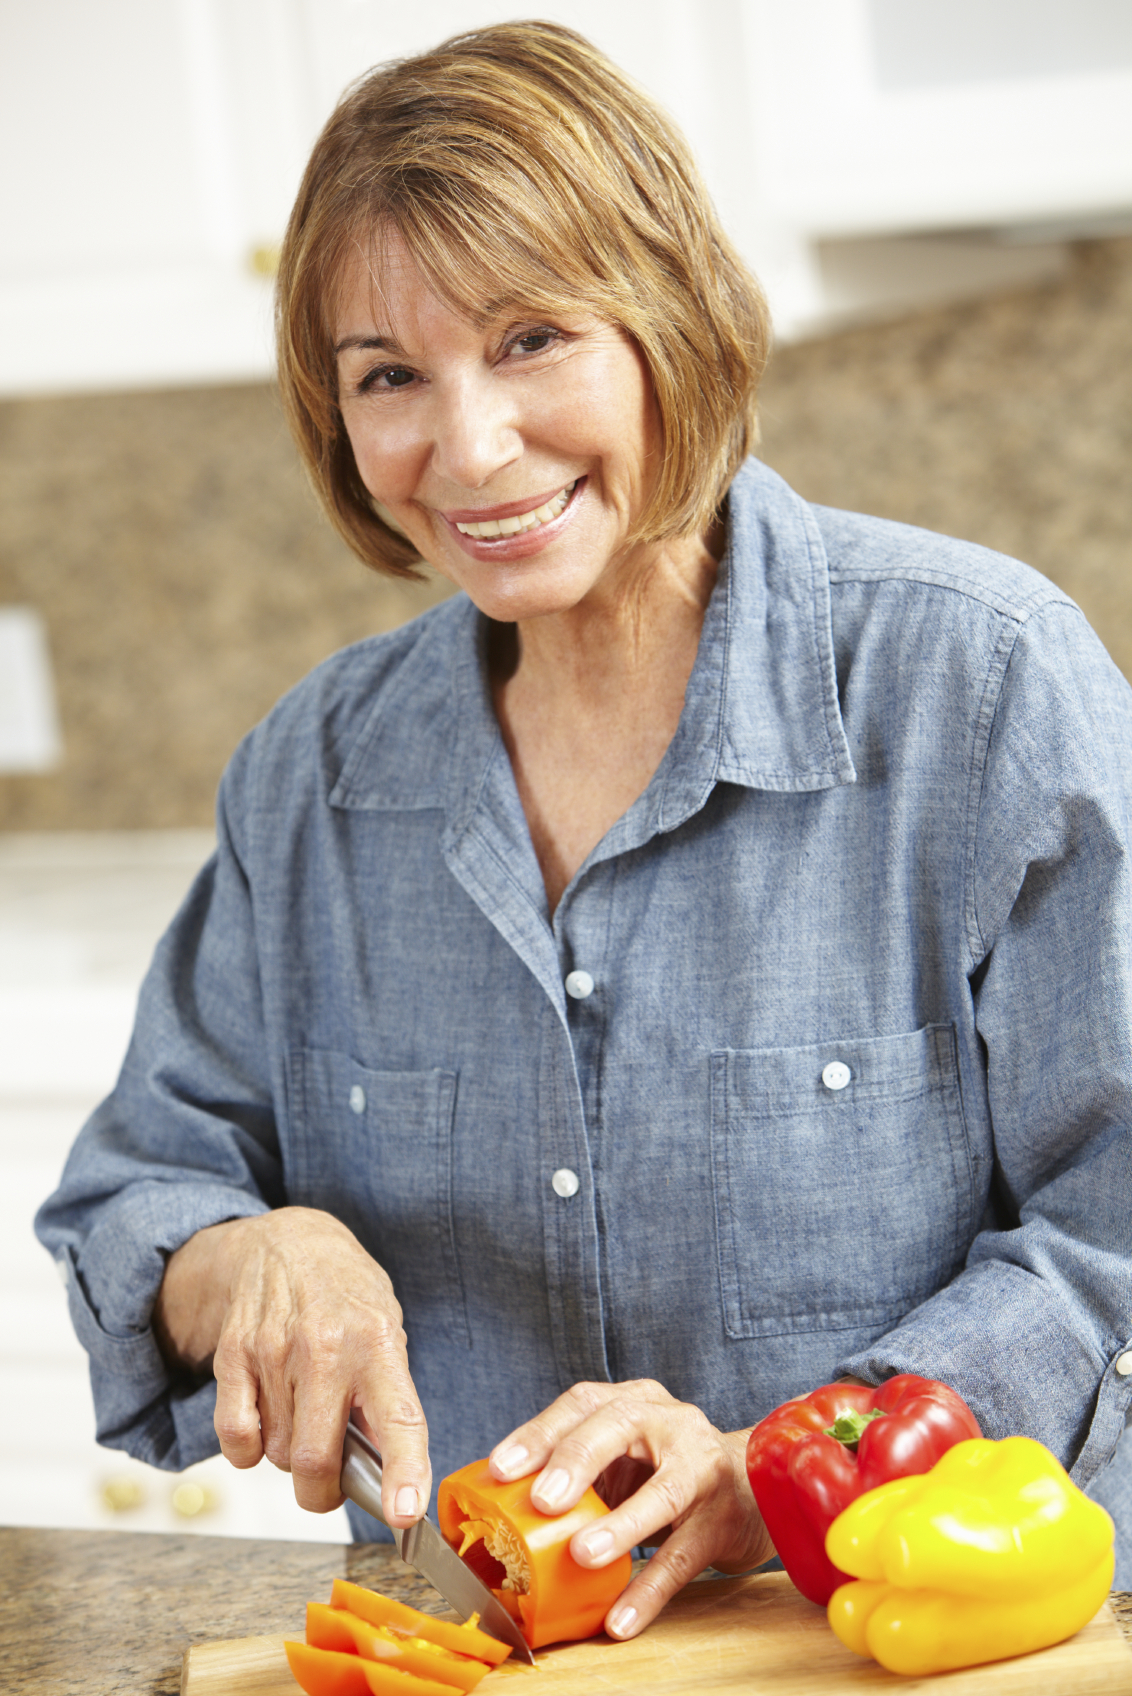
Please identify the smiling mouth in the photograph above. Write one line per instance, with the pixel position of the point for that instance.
(515, 526)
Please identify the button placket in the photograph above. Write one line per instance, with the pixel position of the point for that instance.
(569, 1224)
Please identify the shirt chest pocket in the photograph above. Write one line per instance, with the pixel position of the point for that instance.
(843, 1183)
(375, 1149)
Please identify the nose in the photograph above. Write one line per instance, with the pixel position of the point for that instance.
(475, 430)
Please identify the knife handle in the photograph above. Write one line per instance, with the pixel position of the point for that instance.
(361, 1473)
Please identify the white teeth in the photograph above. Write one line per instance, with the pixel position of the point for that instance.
(523, 520)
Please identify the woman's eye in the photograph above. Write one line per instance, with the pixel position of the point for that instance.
(385, 377)
(535, 340)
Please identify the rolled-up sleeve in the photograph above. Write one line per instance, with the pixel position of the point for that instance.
(1036, 1330)
(186, 1140)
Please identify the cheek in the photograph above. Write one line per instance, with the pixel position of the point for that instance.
(629, 420)
(383, 457)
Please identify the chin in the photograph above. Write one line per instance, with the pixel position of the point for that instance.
(518, 603)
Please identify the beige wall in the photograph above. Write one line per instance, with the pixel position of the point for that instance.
(1008, 422)
(187, 579)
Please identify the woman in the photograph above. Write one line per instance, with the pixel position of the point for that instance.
(689, 965)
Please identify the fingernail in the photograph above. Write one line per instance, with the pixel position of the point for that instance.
(511, 1460)
(621, 1621)
(597, 1543)
(405, 1502)
(552, 1488)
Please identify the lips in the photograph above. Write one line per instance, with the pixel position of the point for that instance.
(514, 523)
(517, 528)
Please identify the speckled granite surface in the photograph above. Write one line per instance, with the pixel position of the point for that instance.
(110, 1613)
(187, 580)
(1006, 421)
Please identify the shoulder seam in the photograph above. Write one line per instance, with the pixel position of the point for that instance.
(984, 727)
(1043, 594)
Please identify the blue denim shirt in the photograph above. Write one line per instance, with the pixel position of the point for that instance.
(851, 1091)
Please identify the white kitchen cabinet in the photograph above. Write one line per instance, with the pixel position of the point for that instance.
(80, 915)
(872, 116)
(151, 150)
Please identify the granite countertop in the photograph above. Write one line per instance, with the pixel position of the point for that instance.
(111, 1613)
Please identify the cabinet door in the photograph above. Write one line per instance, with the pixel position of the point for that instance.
(149, 148)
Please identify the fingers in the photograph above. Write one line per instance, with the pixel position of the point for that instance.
(647, 1516)
(237, 1411)
(591, 1428)
(528, 1448)
(675, 1480)
(395, 1418)
(305, 1404)
(312, 1329)
(678, 1560)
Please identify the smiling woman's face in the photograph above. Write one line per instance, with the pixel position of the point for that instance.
(518, 458)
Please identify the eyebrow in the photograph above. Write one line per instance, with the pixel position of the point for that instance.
(369, 343)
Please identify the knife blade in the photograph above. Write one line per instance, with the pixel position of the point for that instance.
(423, 1547)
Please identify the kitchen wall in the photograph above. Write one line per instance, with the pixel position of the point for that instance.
(186, 578)
(1007, 421)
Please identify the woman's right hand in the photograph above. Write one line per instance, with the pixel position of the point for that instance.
(302, 1327)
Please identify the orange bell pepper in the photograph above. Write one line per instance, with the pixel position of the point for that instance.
(523, 1555)
(383, 1610)
(326, 1672)
(338, 1628)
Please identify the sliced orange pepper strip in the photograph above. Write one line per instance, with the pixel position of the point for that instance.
(337, 1628)
(553, 1599)
(382, 1610)
(325, 1672)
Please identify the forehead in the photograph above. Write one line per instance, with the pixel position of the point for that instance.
(380, 281)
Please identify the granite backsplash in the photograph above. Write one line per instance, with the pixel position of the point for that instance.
(186, 578)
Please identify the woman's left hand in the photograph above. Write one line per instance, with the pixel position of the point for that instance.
(667, 1474)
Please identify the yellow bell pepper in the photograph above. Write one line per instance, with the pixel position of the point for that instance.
(994, 1552)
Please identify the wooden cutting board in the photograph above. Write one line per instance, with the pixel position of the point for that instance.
(725, 1636)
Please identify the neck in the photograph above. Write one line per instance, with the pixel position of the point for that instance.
(614, 642)
(588, 700)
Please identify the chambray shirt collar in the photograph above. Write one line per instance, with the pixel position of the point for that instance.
(761, 707)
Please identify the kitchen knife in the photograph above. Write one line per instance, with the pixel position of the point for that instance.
(422, 1547)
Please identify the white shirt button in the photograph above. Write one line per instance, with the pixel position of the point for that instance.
(357, 1099)
(836, 1075)
(579, 985)
(565, 1183)
(1124, 1364)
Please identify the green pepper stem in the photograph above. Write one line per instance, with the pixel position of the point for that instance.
(848, 1427)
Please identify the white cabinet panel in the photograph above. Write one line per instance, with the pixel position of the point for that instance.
(149, 148)
(79, 916)
(97, 130)
(851, 142)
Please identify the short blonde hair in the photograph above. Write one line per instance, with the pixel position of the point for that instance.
(521, 168)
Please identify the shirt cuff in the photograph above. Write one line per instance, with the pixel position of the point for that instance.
(140, 1405)
(1034, 1377)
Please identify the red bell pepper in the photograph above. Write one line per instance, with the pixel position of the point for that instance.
(814, 1455)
